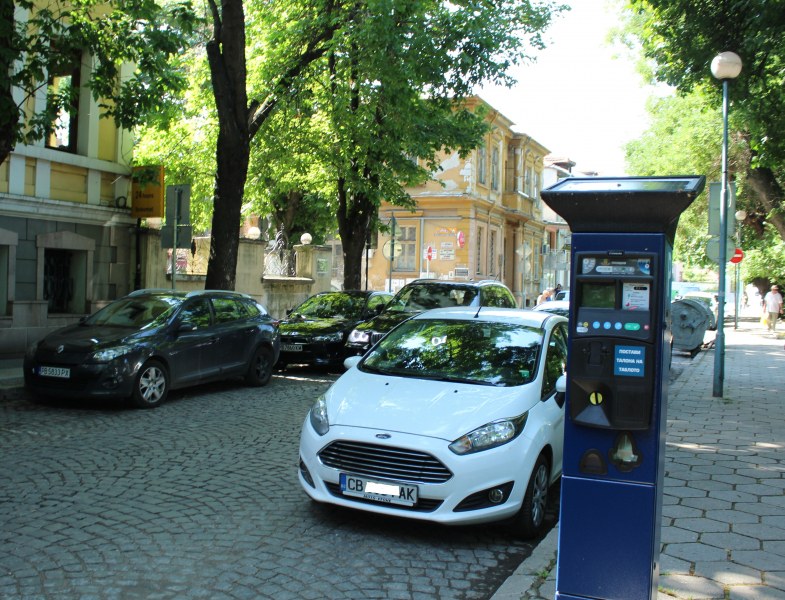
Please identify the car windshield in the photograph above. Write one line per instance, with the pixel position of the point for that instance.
(331, 306)
(419, 298)
(139, 312)
(478, 352)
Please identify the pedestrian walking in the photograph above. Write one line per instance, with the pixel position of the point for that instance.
(545, 296)
(772, 307)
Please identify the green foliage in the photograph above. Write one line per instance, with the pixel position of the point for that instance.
(145, 33)
(678, 40)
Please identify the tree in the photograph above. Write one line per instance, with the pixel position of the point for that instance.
(393, 89)
(298, 32)
(680, 38)
(47, 39)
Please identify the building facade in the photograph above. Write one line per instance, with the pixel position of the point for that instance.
(66, 232)
(480, 218)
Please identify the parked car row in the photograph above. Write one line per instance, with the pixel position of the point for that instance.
(329, 327)
(455, 416)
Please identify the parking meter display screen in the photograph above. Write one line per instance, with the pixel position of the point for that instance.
(598, 295)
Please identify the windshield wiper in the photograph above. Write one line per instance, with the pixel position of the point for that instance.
(452, 378)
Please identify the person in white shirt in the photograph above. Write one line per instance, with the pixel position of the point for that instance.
(772, 304)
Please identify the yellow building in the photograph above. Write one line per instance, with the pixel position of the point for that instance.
(481, 218)
(66, 231)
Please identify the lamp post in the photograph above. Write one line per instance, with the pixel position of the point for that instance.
(740, 216)
(725, 66)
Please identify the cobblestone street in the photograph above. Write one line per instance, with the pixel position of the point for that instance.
(199, 499)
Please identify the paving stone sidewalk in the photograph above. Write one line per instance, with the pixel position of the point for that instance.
(723, 524)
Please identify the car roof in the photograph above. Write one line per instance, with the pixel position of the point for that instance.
(452, 282)
(551, 304)
(519, 316)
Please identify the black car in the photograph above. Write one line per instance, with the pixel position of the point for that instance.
(152, 341)
(424, 294)
(315, 332)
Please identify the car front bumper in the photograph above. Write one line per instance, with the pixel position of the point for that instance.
(112, 380)
(462, 499)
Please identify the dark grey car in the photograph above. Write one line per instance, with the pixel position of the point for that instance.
(425, 294)
(152, 341)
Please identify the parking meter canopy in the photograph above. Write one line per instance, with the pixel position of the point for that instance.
(645, 204)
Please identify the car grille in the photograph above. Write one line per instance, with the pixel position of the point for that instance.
(375, 337)
(386, 462)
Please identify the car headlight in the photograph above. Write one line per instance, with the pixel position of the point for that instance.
(318, 416)
(490, 435)
(329, 337)
(110, 353)
(359, 336)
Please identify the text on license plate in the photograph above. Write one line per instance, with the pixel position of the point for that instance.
(61, 372)
(391, 493)
(292, 347)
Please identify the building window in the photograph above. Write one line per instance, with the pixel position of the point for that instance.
(407, 259)
(492, 253)
(495, 169)
(63, 102)
(480, 236)
(536, 186)
(482, 159)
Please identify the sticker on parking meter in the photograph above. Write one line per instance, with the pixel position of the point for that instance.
(628, 361)
(635, 296)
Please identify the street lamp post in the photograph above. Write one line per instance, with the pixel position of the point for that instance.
(725, 66)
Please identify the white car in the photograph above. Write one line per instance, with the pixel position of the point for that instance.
(456, 417)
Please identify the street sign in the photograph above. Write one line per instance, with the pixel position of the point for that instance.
(713, 249)
(429, 253)
(386, 249)
(737, 257)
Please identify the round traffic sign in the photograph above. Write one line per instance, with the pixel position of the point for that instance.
(737, 256)
(387, 249)
(429, 253)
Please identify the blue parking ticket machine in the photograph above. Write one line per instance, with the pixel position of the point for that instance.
(617, 373)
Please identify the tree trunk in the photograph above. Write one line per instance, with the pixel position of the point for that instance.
(9, 112)
(355, 214)
(226, 57)
(769, 195)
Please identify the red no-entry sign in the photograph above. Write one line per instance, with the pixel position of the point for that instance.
(737, 256)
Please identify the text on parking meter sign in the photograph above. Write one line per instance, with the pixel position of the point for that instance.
(629, 361)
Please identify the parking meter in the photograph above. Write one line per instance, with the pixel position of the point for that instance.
(617, 373)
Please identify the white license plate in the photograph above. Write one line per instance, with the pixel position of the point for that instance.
(380, 491)
(60, 372)
(292, 347)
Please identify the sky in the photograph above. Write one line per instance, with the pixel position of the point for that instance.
(580, 99)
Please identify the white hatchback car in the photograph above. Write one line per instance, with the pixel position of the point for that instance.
(456, 417)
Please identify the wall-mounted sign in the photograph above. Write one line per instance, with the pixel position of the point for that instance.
(147, 192)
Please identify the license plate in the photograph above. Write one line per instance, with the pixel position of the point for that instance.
(292, 347)
(60, 372)
(380, 491)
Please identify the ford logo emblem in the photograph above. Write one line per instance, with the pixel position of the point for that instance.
(383, 436)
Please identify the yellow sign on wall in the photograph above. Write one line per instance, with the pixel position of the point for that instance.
(147, 192)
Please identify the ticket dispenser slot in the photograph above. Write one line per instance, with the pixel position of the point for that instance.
(612, 384)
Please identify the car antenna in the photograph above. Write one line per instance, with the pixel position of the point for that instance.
(477, 314)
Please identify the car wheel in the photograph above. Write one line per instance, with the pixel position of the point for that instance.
(530, 520)
(261, 367)
(151, 386)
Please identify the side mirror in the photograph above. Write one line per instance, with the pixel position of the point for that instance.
(351, 362)
(561, 390)
(185, 326)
